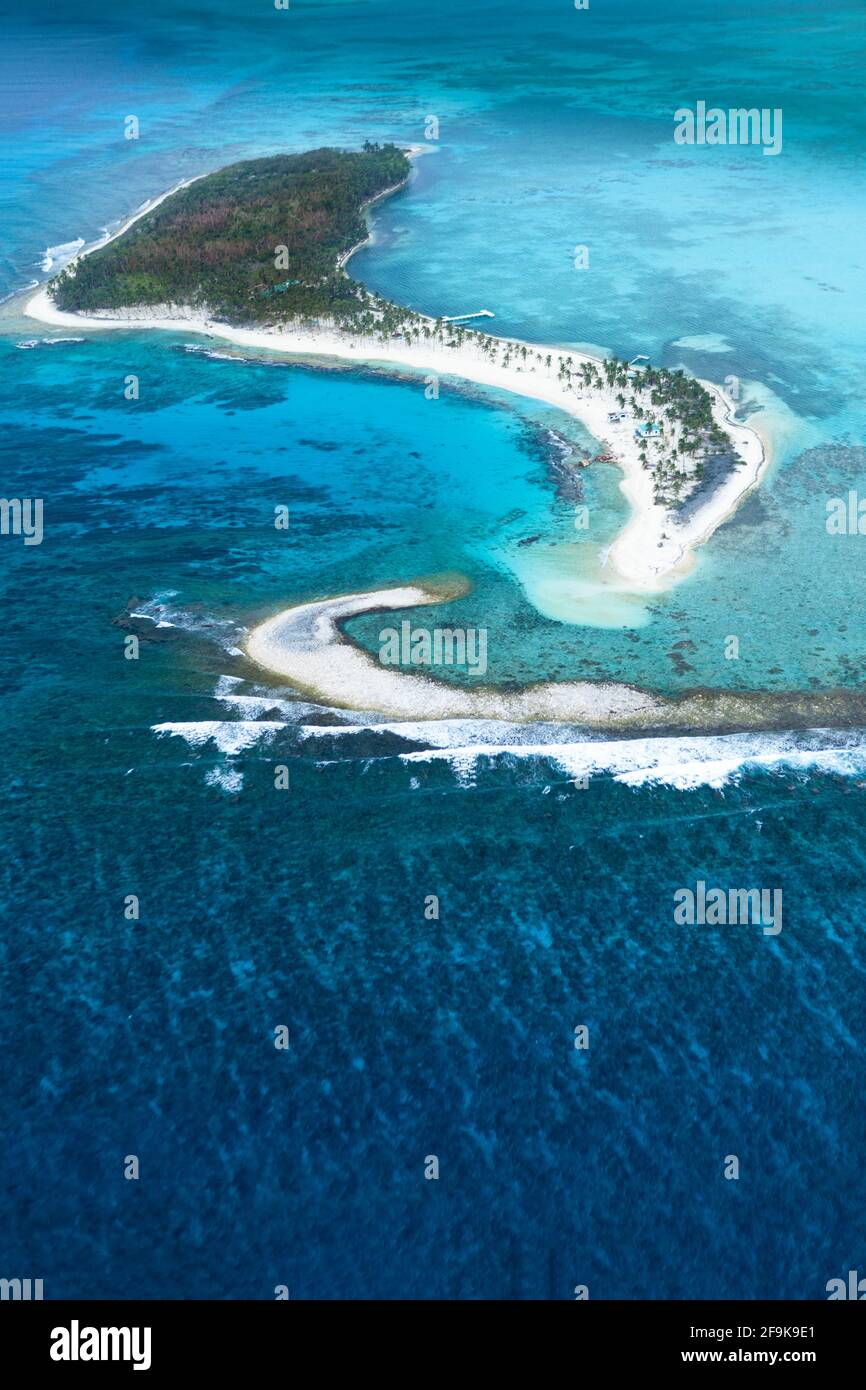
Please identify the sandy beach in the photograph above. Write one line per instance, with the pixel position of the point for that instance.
(306, 646)
(651, 552)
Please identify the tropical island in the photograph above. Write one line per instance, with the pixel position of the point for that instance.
(257, 253)
(262, 241)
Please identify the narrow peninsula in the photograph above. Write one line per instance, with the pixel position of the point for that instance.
(257, 253)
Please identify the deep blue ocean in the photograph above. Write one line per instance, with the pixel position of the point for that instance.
(262, 907)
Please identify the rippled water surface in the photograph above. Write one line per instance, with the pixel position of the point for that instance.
(554, 855)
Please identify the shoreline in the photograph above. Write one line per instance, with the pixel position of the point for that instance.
(649, 554)
(307, 647)
(412, 153)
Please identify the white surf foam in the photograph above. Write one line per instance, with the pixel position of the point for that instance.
(228, 779)
(162, 612)
(683, 762)
(661, 762)
(229, 736)
(54, 257)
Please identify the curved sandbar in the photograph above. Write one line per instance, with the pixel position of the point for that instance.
(305, 646)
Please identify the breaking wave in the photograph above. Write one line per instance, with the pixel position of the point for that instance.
(323, 737)
(56, 256)
(684, 762)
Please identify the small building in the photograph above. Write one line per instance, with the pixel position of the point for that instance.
(647, 430)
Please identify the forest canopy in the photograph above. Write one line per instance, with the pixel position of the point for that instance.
(256, 242)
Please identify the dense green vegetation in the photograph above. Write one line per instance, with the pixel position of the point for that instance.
(217, 244)
(681, 409)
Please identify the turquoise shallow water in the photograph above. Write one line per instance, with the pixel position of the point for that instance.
(306, 908)
(385, 486)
